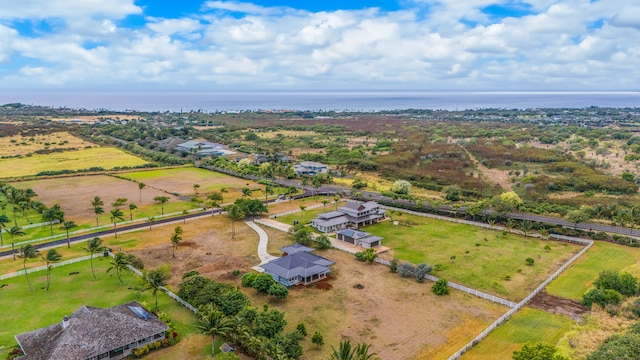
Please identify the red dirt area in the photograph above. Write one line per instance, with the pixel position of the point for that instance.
(557, 305)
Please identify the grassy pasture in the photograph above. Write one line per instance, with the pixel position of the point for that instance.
(22, 145)
(106, 158)
(577, 279)
(39, 308)
(181, 180)
(482, 257)
(291, 133)
(527, 325)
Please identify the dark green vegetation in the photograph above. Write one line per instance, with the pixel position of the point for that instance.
(225, 311)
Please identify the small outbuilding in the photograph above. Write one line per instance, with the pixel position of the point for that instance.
(361, 238)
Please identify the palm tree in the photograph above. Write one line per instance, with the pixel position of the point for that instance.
(346, 352)
(13, 232)
(268, 190)
(222, 191)
(150, 220)
(213, 322)
(246, 192)
(52, 214)
(119, 263)
(176, 237)
(325, 202)
(28, 252)
(52, 257)
(161, 200)
(215, 197)
(4, 219)
(116, 214)
(68, 225)
(94, 246)
(99, 210)
(235, 213)
(97, 204)
(155, 280)
(195, 188)
(131, 208)
(140, 187)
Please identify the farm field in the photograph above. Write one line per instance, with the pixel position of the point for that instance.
(67, 293)
(104, 157)
(527, 325)
(74, 195)
(577, 279)
(23, 145)
(181, 180)
(482, 257)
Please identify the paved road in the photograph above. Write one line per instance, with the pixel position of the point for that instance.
(374, 196)
(262, 245)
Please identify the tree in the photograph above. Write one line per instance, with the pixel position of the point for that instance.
(116, 214)
(99, 210)
(235, 213)
(323, 242)
(119, 263)
(506, 203)
(4, 220)
(246, 192)
(195, 188)
(325, 202)
(13, 232)
(66, 226)
(346, 352)
(526, 226)
(317, 339)
(150, 221)
(251, 207)
(131, 208)
(212, 322)
(401, 187)
(368, 255)
(155, 280)
(441, 287)
(28, 252)
(140, 187)
(529, 261)
(176, 237)
(94, 246)
(536, 352)
(52, 214)
(161, 200)
(279, 291)
(578, 216)
(51, 257)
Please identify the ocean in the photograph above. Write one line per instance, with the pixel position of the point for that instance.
(317, 100)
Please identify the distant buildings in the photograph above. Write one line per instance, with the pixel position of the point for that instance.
(298, 266)
(94, 333)
(203, 148)
(311, 168)
(352, 215)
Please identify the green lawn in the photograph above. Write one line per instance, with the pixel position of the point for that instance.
(527, 325)
(576, 280)
(39, 308)
(304, 217)
(482, 257)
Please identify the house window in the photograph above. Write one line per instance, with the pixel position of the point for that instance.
(103, 356)
(157, 336)
(116, 352)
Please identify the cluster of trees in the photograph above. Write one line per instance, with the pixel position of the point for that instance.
(265, 283)
(304, 235)
(224, 311)
(610, 288)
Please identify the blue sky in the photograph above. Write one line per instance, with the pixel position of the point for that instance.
(401, 44)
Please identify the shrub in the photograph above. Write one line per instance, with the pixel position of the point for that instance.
(624, 283)
(249, 279)
(441, 287)
(601, 297)
(317, 339)
(301, 329)
(279, 291)
(529, 261)
(393, 265)
(135, 261)
(421, 271)
(406, 270)
(323, 242)
(368, 255)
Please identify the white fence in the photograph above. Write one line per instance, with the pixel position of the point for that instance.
(44, 267)
(31, 226)
(296, 211)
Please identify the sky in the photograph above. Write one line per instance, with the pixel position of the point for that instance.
(507, 45)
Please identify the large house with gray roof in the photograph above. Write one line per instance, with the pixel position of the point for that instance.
(298, 266)
(203, 148)
(352, 215)
(310, 168)
(94, 333)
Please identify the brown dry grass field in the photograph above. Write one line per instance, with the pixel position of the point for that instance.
(74, 194)
(22, 145)
(434, 327)
(96, 118)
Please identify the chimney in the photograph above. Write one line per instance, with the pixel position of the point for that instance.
(65, 322)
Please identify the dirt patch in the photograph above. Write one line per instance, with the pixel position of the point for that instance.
(557, 305)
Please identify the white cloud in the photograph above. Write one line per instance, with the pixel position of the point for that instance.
(555, 47)
(40, 9)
